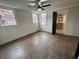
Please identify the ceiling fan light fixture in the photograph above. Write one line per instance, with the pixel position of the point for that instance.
(39, 9)
(39, 3)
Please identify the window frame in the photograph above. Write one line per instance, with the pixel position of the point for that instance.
(14, 14)
(37, 18)
(41, 18)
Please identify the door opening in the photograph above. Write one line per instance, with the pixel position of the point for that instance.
(60, 22)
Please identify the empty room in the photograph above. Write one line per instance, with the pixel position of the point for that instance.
(39, 29)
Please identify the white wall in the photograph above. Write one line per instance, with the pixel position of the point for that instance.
(24, 27)
(73, 22)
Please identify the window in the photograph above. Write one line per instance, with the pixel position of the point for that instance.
(7, 17)
(35, 18)
(43, 19)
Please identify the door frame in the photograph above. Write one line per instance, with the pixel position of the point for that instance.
(54, 22)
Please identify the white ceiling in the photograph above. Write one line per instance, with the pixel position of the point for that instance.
(21, 4)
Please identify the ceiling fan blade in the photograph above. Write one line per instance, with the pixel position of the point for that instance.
(42, 8)
(36, 9)
(38, 0)
(32, 5)
(46, 5)
(44, 2)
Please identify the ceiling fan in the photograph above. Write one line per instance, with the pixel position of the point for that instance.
(39, 4)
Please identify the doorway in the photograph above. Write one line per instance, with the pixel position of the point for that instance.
(60, 24)
(60, 21)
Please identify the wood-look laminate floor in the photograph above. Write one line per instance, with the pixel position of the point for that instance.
(40, 45)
